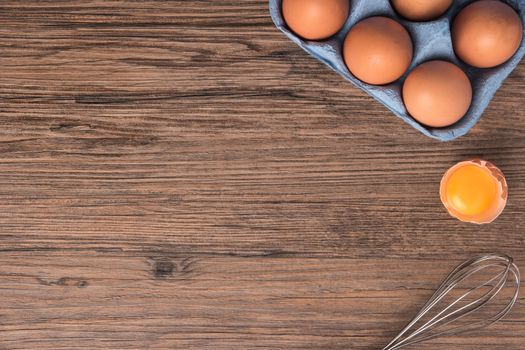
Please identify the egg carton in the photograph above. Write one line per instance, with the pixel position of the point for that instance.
(432, 40)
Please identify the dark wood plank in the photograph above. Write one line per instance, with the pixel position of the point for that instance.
(120, 300)
(177, 174)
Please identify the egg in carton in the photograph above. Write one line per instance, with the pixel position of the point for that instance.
(432, 40)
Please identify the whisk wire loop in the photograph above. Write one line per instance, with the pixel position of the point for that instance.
(507, 275)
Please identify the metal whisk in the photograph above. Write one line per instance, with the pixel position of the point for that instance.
(445, 321)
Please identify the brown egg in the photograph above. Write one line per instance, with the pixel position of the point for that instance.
(315, 19)
(437, 93)
(487, 33)
(378, 50)
(421, 10)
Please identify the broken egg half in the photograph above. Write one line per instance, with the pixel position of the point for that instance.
(474, 191)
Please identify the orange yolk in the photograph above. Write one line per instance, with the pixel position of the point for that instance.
(471, 190)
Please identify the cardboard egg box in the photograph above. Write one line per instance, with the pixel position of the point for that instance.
(432, 40)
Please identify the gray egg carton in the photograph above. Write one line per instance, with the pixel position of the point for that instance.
(432, 40)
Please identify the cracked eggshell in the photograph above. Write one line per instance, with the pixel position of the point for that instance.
(496, 206)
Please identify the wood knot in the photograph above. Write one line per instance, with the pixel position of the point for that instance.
(65, 282)
(163, 268)
(82, 284)
(70, 127)
(180, 269)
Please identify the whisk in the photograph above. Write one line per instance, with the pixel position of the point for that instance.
(445, 321)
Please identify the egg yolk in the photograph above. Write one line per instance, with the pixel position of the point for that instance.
(471, 190)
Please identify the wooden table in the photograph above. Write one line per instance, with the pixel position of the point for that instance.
(178, 175)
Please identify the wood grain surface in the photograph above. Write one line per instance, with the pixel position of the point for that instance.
(178, 175)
